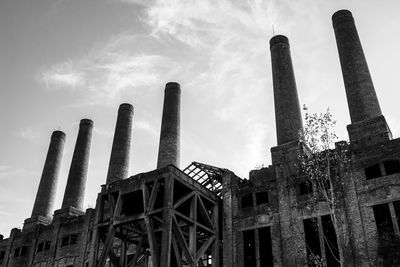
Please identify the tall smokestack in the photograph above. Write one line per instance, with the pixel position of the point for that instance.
(287, 107)
(46, 193)
(75, 189)
(169, 147)
(119, 160)
(361, 97)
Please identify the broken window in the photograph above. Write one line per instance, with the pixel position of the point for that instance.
(2, 255)
(65, 241)
(20, 251)
(305, 188)
(23, 251)
(249, 245)
(383, 219)
(265, 249)
(330, 242)
(391, 166)
(69, 240)
(16, 252)
(373, 171)
(247, 200)
(43, 246)
(312, 241)
(40, 247)
(73, 239)
(261, 197)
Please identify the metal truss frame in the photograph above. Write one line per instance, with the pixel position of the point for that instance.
(161, 218)
(208, 176)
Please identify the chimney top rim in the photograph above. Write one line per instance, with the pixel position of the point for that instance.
(86, 122)
(341, 15)
(172, 84)
(126, 106)
(282, 39)
(58, 134)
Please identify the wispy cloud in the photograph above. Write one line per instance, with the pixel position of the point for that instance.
(3, 168)
(216, 49)
(139, 2)
(9, 172)
(108, 71)
(105, 75)
(103, 132)
(29, 134)
(63, 75)
(145, 126)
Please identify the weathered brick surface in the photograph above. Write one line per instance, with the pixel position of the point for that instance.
(56, 255)
(287, 109)
(360, 91)
(370, 143)
(76, 183)
(45, 197)
(120, 152)
(169, 147)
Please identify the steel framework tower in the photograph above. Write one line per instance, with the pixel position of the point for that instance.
(162, 218)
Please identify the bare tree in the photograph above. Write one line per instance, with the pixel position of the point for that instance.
(320, 161)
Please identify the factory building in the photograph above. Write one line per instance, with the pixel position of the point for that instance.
(204, 215)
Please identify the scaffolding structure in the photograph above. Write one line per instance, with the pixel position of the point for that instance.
(162, 218)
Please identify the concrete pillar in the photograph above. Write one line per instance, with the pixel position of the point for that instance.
(75, 189)
(169, 147)
(361, 97)
(119, 159)
(45, 197)
(287, 107)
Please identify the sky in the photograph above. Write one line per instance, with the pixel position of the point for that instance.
(65, 60)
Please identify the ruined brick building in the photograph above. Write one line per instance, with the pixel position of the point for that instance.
(207, 216)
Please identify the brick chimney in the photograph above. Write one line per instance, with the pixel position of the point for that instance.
(287, 108)
(169, 147)
(368, 124)
(75, 188)
(45, 197)
(119, 160)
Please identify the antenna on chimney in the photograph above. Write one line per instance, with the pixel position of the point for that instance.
(273, 30)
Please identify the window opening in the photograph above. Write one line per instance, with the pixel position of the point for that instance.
(65, 241)
(249, 248)
(2, 255)
(261, 197)
(40, 247)
(330, 242)
(46, 245)
(391, 166)
(305, 188)
(23, 251)
(265, 243)
(383, 219)
(312, 241)
(373, 171)
(247, 200)
(20, 251)
(132, 203)
(69, 240)
(16, 252)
